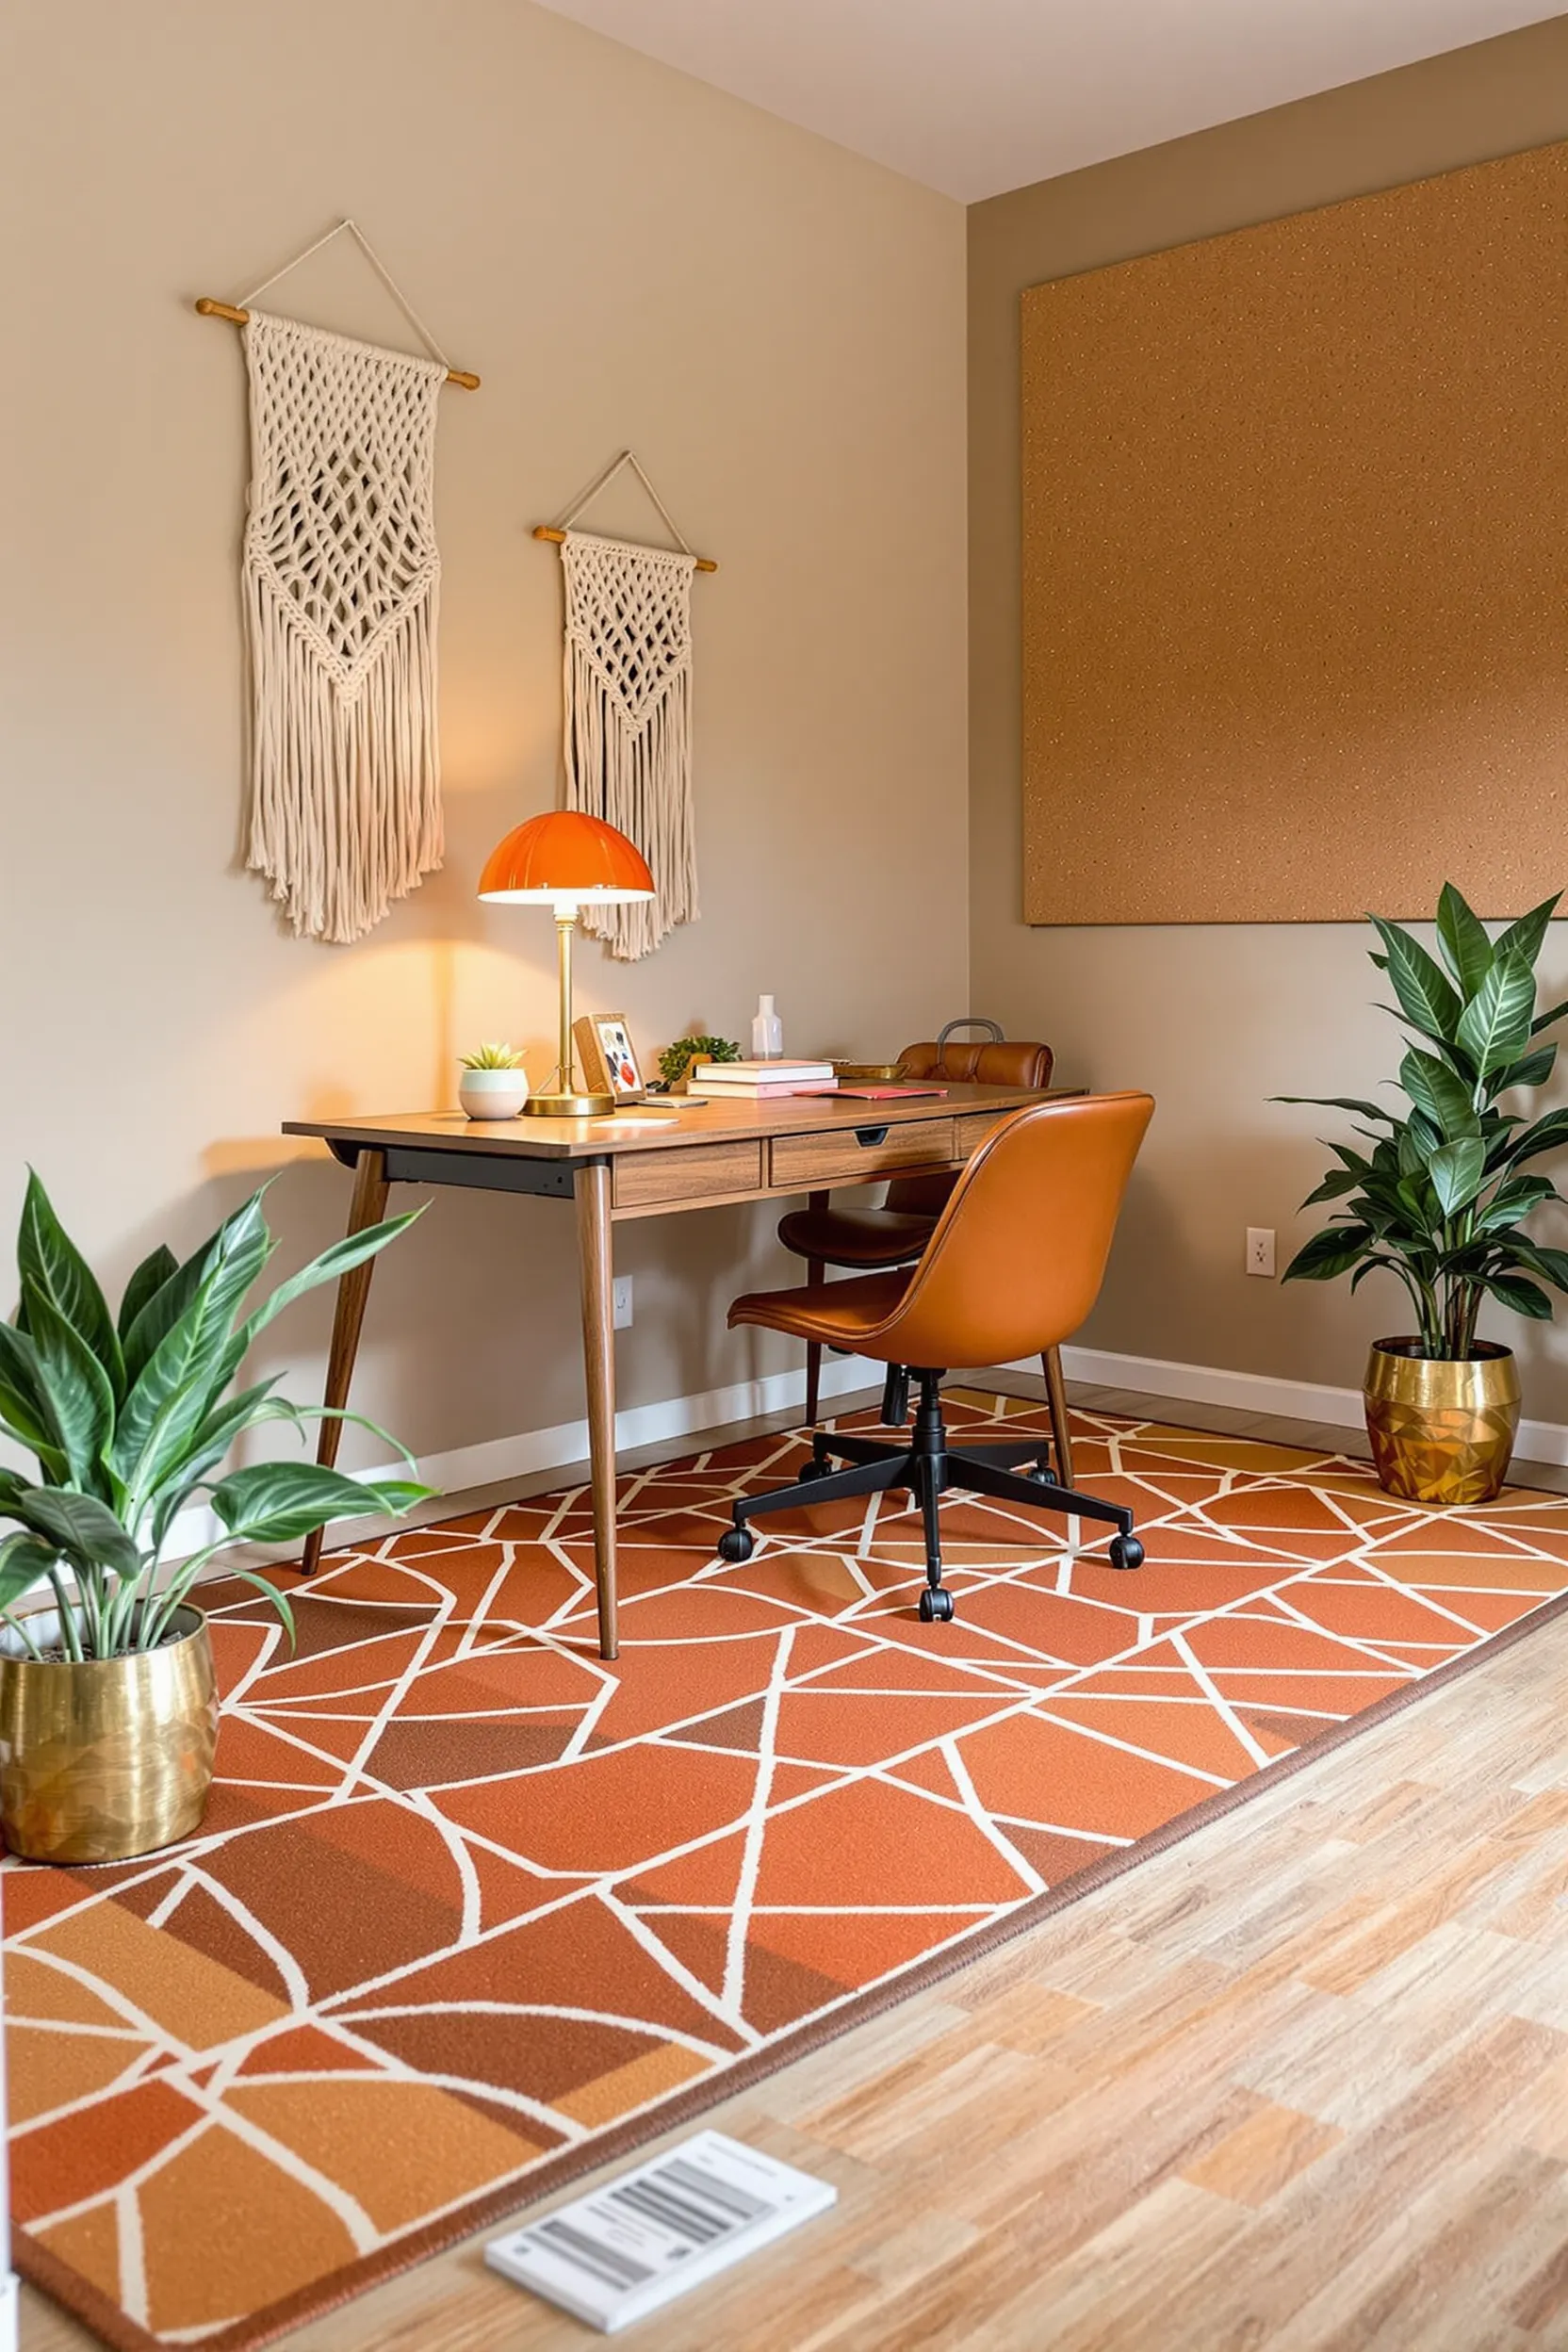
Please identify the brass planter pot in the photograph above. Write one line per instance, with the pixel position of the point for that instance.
(110, 1759)
(1441, 1432)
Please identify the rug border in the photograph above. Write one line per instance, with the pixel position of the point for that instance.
(107, 2319)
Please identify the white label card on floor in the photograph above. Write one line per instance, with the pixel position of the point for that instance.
(633, 2246)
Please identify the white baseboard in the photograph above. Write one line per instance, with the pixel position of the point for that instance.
(1259, 1392)
(466, 1468)
(642, 1425)
(1208, 1385)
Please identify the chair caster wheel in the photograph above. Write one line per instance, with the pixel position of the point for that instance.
(815, 1469)
(936, 1606)
(1039, 1475)
(737, 1545)
(1125, 1552)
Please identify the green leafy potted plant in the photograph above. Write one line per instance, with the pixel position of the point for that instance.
(494, 1084)
(676, 1061)
(107, 1700)
(1439, 1201)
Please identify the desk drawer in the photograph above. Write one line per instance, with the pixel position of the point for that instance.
(693, 1171)
(841, 1157)
(972, 1132)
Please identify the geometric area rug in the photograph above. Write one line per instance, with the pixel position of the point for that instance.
(472, 1911)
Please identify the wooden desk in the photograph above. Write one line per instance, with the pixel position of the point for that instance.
(699, 1156)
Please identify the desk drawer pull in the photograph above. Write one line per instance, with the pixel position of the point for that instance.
(853, 1156)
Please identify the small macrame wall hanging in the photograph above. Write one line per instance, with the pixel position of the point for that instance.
(628, 708)
(340, 575)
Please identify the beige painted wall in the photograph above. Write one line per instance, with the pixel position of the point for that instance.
(625, 257)
(1213, 1021)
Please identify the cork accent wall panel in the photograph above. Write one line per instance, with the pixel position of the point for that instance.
(1296, 564)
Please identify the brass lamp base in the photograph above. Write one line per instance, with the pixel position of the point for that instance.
(568, 1105)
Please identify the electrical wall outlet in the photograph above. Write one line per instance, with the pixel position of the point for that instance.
(1260, 1251)
(621, 1295)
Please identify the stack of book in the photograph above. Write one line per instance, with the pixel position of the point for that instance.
(760, 1079)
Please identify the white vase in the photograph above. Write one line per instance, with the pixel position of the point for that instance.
(493, 1093)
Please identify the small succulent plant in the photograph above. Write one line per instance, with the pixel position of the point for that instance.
(674, 1058)
(493, 1056)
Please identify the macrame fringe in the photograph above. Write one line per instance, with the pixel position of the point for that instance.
(346, 808)
(640, 782)
(340, 571)
(627, 692)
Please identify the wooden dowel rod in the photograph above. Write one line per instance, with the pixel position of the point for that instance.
(209, 309)
(548, 531)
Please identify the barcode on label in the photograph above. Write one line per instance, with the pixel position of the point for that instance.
(689, 2204)
(628, 2248)
(591, 2254)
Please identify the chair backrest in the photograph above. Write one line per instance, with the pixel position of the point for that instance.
(1019, 1253)
(981, 1062)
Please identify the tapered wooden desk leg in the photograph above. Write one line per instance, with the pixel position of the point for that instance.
(367, 1208)
(599, 1360)
(1061, 1434)
(816, 1273)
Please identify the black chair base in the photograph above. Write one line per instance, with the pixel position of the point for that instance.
(929, 1466)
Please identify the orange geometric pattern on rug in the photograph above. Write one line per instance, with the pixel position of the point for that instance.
(468, 1901)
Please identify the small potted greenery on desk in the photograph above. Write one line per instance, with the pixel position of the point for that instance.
(1439, 1198)
(676, 1061)
(494, 1083)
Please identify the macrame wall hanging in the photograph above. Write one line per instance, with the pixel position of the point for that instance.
(340, 574)
(628, 708)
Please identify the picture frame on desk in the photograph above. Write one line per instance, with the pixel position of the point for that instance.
(609, 1057)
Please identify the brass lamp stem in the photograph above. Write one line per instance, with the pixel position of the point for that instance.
(564, 926)
(563, 1101)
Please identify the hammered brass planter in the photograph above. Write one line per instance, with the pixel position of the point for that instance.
(1441, 1432)
(110, 1759)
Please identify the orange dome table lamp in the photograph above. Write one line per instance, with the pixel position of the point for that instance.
(565, 859)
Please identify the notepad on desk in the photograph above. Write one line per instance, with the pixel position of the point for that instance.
(886, 1094)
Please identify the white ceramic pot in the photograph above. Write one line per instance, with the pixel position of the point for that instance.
(493, 1093)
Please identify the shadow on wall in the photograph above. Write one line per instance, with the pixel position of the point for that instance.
(1179, 1260)
(1177, 1269)
(452, 1354)
(1146, 1235)
(472, 1330)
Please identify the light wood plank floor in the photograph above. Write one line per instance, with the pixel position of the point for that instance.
(1299, 2083)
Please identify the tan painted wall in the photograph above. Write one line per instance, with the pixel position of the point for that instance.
(625, 257)
(1213, 1020)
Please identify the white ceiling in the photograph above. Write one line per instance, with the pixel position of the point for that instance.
(975, 96)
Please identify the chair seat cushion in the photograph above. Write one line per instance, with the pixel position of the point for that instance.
(874, 1237)
(841, 1314)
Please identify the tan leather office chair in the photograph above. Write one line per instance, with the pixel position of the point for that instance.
(868, 1240)
(1013, 1267)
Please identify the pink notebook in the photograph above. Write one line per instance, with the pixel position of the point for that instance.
(887, 1094)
